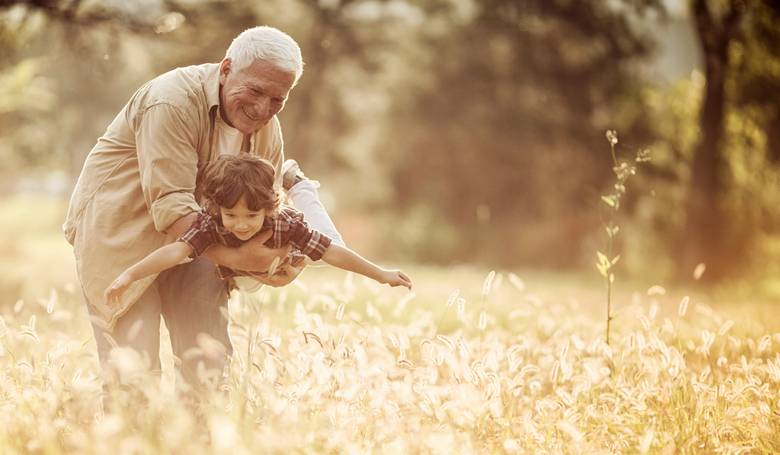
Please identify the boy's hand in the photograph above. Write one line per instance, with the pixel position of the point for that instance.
(395, 278)
(117, 288)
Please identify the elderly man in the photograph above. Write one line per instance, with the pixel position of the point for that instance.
(137, 189)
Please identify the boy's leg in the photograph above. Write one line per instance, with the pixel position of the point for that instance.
(303, 194)
(192, 295)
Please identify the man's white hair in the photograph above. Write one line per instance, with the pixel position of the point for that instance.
(268, 44)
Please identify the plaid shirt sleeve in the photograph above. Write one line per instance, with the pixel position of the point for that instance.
(289, 227)
(201, 234)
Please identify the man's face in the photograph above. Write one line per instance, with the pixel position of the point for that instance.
(250, 97)
(241, 221)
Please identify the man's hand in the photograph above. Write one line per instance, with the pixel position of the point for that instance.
(251, 256)
(285, 274)
(254, 255)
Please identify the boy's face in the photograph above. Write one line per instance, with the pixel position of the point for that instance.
(241, 221)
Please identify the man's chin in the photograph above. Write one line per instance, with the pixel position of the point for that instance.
(252, 128)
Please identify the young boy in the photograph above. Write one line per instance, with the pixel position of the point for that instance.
(240, 201)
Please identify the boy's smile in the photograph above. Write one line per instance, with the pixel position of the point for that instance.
(241, 221)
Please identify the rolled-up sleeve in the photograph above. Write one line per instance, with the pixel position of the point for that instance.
(200, 235)
(166, 141)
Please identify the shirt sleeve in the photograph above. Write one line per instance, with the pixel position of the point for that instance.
(200, 235)
(168, 162)
(311, 242)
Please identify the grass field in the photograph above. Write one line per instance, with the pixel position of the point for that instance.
(470, 362)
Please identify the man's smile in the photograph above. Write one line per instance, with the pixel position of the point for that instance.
(248, 115)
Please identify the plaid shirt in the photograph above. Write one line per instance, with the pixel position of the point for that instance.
(288, 228)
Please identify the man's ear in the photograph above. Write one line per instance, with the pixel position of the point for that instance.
(225, 67)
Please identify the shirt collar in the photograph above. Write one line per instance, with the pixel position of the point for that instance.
(212, 86)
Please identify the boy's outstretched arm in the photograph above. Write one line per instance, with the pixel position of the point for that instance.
(344, 258)
(157, 261)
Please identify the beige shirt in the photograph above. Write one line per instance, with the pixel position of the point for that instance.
(141, 175)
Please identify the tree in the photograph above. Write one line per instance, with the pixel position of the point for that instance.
(504, 120)
(738, 39)
(706, 223)
(49, 120)
(757, 84)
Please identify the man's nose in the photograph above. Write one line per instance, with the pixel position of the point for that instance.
(262, 106)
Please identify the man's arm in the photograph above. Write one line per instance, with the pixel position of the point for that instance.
(305, 198)
(252, 256)
(166, 143)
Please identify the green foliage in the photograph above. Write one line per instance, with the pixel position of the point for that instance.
(25, 96)
(753, 183)
(501, 120)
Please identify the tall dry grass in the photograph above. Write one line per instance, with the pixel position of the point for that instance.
(351, 371)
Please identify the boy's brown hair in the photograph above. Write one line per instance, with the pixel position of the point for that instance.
(232, 176)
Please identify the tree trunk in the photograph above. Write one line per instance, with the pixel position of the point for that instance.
(773, 138)
(706, 228)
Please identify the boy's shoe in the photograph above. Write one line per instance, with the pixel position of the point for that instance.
(291, 174)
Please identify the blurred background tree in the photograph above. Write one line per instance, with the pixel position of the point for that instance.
(503, 131)
(715, 134)
(453, 130)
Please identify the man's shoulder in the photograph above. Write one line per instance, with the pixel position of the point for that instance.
(183, 87)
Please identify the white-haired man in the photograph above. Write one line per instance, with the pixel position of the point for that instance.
(137, 190)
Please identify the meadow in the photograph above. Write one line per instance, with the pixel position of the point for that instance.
(472, 361)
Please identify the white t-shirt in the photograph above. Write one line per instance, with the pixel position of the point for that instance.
(228, 139)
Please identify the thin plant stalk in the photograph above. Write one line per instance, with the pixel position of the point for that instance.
(605, 262)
